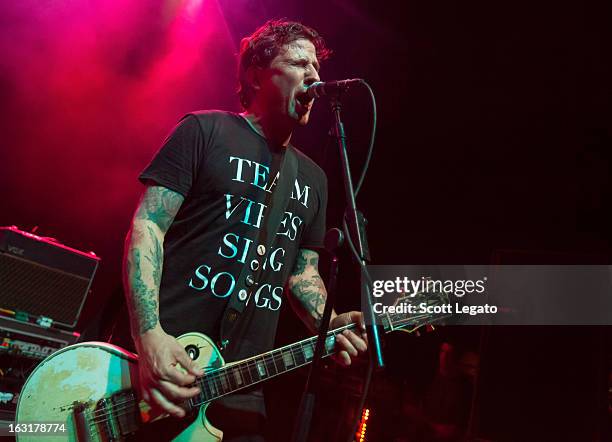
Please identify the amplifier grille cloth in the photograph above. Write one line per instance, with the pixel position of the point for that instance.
(40, 290)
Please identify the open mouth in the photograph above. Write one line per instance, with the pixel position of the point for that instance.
(304, 100)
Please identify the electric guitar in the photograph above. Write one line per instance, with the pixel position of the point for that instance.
(87, 389)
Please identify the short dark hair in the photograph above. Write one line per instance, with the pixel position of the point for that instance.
(260, 48)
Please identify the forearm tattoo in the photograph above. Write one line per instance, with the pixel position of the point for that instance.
(144, 255)
(307, 285)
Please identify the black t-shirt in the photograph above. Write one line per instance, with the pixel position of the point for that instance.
(221, 165)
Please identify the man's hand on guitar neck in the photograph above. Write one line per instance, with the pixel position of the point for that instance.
(351, 343)
(309, 291)
(163, 384)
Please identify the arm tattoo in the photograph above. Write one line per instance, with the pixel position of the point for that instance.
(307, 286)
(300, 263)
(144, 255)
(160, 206)
(143, 311)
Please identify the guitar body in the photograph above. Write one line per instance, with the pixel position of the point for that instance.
(79, 376)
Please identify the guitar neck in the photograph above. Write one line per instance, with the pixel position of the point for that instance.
(242, 374)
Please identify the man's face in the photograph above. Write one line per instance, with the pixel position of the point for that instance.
(283, 84)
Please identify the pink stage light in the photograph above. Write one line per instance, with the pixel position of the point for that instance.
(192, 6)
(94, 88)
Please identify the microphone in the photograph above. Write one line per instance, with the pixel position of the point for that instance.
(321, 88)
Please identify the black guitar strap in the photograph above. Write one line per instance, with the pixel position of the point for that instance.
(252, 271)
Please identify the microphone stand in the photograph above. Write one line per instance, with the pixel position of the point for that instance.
(355, 231)
(354, 225)
(357, 236)
(333, 240)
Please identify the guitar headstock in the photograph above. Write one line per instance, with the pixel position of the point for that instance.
(416, 310)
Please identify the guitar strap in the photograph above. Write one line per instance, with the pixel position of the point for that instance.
(253, 269)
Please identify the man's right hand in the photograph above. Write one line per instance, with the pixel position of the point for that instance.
(163, 384)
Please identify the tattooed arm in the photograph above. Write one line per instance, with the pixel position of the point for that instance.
(144, 255)
(309, 291)
(161, 384)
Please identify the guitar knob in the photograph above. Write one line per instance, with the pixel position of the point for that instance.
(193, 352)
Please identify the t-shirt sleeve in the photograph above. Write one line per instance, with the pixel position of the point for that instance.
(314, 234)
(176, 163)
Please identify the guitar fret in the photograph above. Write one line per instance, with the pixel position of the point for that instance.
(247, 370)
(278, 362)
(229, 374)
(287, 359)
(298, 356)
(201, 397)
(309, 351)
(282, 359)
(274, 362)
(217, 383)
(252, 377)
(225, 386)
(270, 366)
(237, 376)
(213, 387)
(261, 368)
(206, 388)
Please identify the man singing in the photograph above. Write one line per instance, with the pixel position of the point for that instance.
(207, 198)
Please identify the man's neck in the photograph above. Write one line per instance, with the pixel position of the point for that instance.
(268, 127)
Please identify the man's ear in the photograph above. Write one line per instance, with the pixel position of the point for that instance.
(253, 73)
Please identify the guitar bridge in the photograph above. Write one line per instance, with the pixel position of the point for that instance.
(81, 413)
(111, 419)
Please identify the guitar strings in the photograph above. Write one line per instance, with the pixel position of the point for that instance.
(118, 411)
(123, 408)
(216, 373)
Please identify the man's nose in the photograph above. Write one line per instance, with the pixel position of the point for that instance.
(312, 76)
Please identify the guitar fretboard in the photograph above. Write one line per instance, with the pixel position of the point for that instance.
(242, 374)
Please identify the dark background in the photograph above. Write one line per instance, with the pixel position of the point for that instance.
(495, 133)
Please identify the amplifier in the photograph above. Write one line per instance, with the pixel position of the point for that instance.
(43, 278)
(22, 347)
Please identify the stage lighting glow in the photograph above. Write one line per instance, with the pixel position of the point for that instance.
(192, 7)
